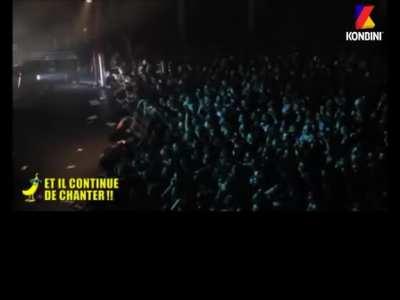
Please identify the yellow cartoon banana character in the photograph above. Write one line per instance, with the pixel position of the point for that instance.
(32, 190)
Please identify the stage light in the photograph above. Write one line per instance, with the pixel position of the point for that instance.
(19, 79)
(101, 71)
(38, 77)
(89, 1)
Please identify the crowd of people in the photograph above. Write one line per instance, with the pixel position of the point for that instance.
(249, 133)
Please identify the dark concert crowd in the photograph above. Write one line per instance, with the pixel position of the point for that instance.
(249, 133)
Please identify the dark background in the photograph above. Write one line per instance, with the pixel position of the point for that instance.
(278, 24)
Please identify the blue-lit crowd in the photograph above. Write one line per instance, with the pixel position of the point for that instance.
(257, 133)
